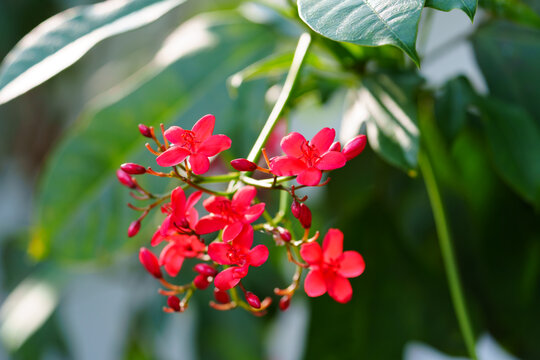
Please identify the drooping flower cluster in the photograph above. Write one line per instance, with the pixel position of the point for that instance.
(220, 244)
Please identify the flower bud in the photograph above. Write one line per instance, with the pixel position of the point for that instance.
(133, 169)
(221, 296)
(243, 165)
(174, 303)
(354, 147)
(253, 300)
(134, 228)
(150, 262)
(145, 131)
(125, 179)
(305, 216)
(201, 282)
(284, 234)
(295, 209)
(205, 269)
(284, 303)
(336, 146)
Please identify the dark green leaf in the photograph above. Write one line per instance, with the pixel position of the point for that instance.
(82, 209)
(468, 6)
(514, 10)
(63, 39)
(370, 23)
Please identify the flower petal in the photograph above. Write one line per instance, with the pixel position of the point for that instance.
(351, 264)
(254, 212)
(287, 166)
(178, 202)
(204, 127)
(232, 230)
(175, 134)
(227, 279)
(193, 199)
(314, 285)
(258, 255)
(157, 238)
(310, 177)
(243, 197)
(244, 239)
(331, 160)
(172, 156)
(323, 139)
(292, 144)
(216, 204)
(218, 252)
(171, 259)
(209, 224)
(339, 288)
(215, 144)
(311, 253)
(333, 245)
(354, 147)
(199, 163)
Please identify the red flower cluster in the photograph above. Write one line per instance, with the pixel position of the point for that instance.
(232, 214)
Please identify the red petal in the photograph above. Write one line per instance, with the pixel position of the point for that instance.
(157, 238)
(292, 144)
(287, 166)
(204, 127)
(354, 146)
(218, 252)
(175, 134)
(310, 177)
(243, 197)
(254, 212)
(311, 253)
(244, 240)
(215, 144)
(333, 245)
(339, 288)
(193, 199)
(178, 201)
(171, 259)
(231, 231)
(172, 156)
(258, 255)
(192, 218)
(199, 163)
(227, 279)
(336, 146)
(216, 204)
(314, 285)
(323, 139)
(210, 223)
(351, 264)
(331, 160)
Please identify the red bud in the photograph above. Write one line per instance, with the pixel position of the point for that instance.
(221, 296)
(145, 131)
(305, 216)
(150, 262)
(134, 228)
(174, 303)
(205, 269)
(201, 282)
(336, 146)
(295, 209)
(133, 169)
(125, 179)
(243, 165)
(284, 234)
(354, 147)
(253, 300)
(284, 303)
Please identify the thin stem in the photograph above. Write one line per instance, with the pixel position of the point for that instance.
(447, 252)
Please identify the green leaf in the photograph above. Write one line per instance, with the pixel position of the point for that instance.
(82, 212)
(467, 6)
(63, 39)
(514, 139)
(392, 126)
(366, 22)
(508, 57)
(514, 10)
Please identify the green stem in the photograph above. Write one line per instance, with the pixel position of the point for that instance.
(445, 242)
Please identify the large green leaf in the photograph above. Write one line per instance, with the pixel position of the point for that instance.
(515, 10)
(366, 22)
(63, 39)
(392, 128)
(82, 211)
(508, 57)
(467, 6)
(514, 140)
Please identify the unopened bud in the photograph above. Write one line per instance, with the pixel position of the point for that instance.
(150, 262)
(336, 146)
(305, 216)
(221, 296)
(134, 228)
(243, 165)
(205, 269)
(354, 147)
(201, 282)
(125, 179)
(133, 169)
(253, 300)
(284, 234)
(284, 302)
(295, 209)
(174, 303)
(145, 131)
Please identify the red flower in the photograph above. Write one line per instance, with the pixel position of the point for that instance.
(230, 215)
(330, 267)
(180, 247)
(307, 158)
(198, 143)
(238, 253)
(182, 215)
(354, 147)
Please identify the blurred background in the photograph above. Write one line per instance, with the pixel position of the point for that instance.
(71, 286)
